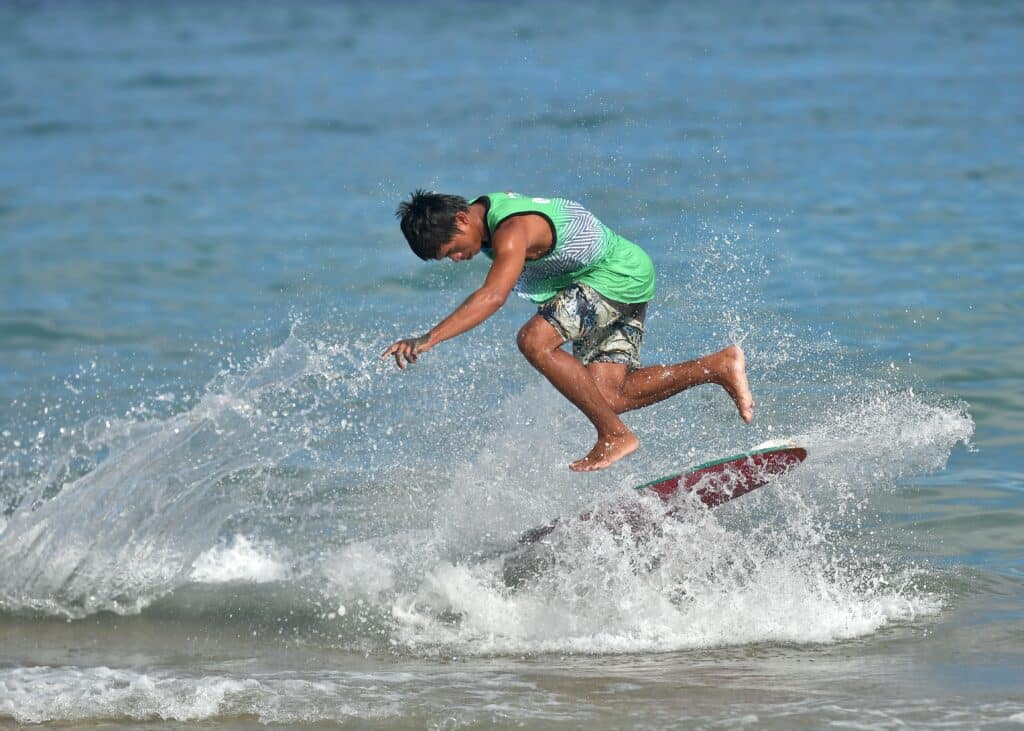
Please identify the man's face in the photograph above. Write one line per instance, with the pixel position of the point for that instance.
(464, 245)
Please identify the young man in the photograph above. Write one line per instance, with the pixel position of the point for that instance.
(592, 286)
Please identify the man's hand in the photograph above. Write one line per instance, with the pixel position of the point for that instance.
(408, 350)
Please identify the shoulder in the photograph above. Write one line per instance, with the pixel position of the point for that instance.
(520, 222)
(503, 205)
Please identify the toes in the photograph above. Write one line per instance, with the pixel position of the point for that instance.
(585, 465)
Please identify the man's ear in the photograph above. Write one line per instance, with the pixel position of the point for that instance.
(462, 218)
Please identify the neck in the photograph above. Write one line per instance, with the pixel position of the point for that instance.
(477, 217)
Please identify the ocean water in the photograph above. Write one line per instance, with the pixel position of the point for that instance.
(218, 506)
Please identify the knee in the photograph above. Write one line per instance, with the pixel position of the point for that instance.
(615, 400)
(611, 386)
(532, 342)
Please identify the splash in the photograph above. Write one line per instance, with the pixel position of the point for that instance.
(130, 529)
(241, 559)
(383, 532)
(786, 564)
(795, 562)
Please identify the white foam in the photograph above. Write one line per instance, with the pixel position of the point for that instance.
(53, 694)
(770, 568)
(241, 559)
(710, 587)
(49, 695)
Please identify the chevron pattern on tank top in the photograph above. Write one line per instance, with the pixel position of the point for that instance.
(581, 242)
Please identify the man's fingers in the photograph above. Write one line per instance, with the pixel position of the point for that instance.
(404, 352)
(392, 350)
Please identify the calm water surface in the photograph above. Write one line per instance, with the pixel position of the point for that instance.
(218, 506)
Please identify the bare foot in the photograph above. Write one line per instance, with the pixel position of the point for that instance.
(608, 450)
(730, 368)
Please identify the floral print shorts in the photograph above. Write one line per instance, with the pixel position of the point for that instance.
(601, 330)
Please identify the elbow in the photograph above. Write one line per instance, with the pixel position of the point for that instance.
(492, 299)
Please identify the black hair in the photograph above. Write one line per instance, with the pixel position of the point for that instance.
(428, 221)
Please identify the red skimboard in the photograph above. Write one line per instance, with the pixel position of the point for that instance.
(713, 482)
(730, 477)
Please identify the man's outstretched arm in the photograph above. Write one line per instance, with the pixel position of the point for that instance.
(509, 259)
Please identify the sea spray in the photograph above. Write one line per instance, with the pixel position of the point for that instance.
(374, 511)
(794, 562)
(130, 529)
(241, 559)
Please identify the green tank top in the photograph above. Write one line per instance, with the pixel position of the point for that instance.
(585, 251)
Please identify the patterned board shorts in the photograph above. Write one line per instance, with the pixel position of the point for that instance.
(601, 330)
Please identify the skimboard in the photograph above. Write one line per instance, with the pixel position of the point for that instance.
(713, 483)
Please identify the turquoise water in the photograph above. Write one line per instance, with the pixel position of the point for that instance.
(219, 506)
